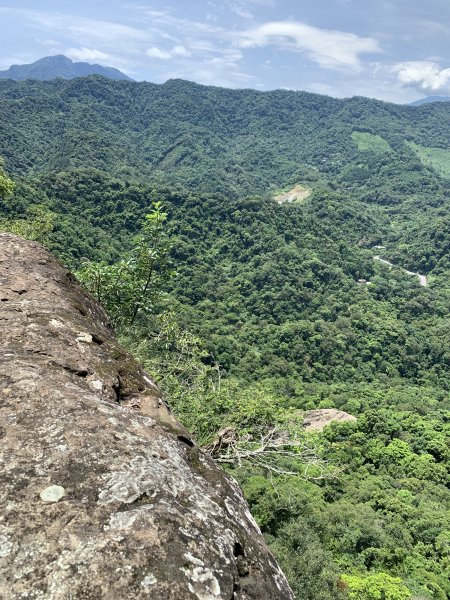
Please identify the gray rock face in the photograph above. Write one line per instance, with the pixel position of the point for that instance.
(102, 493)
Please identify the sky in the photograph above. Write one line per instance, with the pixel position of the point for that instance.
(394, 50)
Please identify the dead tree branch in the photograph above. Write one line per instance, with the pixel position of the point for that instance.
(276, 451)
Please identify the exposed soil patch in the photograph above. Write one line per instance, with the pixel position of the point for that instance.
(317, 420)
(299, 193)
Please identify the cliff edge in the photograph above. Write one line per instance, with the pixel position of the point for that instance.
(102, 493)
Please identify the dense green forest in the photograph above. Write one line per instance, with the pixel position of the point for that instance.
(265, 310)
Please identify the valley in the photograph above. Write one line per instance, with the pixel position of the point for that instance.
(252, 316)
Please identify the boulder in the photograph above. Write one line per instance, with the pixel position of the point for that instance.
(103, 493)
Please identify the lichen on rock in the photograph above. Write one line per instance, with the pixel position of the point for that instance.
(103, 492)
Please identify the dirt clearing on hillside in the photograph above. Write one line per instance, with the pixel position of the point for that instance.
(299, 193)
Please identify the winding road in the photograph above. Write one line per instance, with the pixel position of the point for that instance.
(423, 279)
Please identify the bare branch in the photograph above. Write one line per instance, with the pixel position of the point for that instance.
(269, 452)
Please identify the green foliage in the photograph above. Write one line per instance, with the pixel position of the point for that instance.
(175, 356)
(367, 142)
(265, 319)
(308, 566)
(437, 158)
(133, 285)
(37, 224)
(7, 185)
(379, 586)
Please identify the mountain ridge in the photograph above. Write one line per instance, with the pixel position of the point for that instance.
(60, 66)
(430, 100)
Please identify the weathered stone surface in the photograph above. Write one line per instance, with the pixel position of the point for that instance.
(102, 493)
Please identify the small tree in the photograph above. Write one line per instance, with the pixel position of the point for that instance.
(7, 185)
(134, 285)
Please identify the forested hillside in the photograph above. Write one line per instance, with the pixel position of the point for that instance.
(272, 309)
(243, 142)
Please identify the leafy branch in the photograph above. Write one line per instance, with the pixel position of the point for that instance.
(134, 285)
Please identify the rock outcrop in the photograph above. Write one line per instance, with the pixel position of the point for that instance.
(102, 493)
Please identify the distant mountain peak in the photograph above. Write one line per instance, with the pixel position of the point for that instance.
(58, 65)
(430, 100)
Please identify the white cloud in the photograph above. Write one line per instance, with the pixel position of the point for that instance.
(105, 31)
(87, 54)
(180, 51)
(241, 8)
(158, 44)
(175, 52)
(88, 39)
(218, 71)
(159, 19)
(259, 2)
(423, 74)
(155, 52)
(330, 49)
(84, 31)
(241, 11)
(48, 43)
